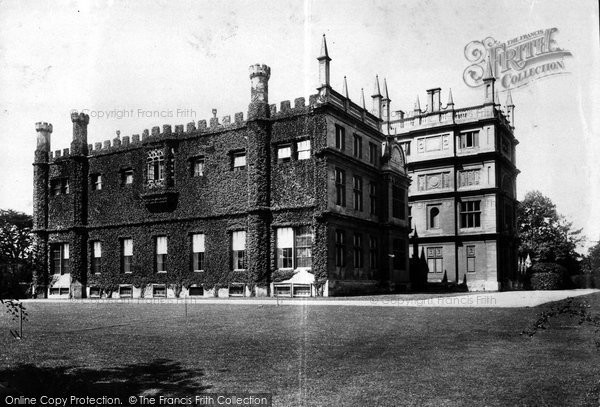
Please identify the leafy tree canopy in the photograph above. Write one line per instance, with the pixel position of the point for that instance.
(16, 253)
(544, 234)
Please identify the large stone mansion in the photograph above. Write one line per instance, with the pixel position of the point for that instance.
(304, 200)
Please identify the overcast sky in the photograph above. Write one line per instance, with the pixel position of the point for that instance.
(108, 56)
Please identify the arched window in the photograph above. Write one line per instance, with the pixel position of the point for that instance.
(434, 218)
(156, 167)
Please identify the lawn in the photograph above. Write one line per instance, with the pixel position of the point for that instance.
(305, 355)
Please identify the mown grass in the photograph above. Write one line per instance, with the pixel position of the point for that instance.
(305, 355)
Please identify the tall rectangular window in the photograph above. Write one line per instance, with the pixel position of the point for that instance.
(96, 182)
(373, 253)
(304, 240)
(340, 137)
(433, 216)
(126, 255)
(238, 246)
(96, 257)
(372, 153)
(373, 197)
(294, 247)
(304, 150)
(285, 248)
(435, 259)
(340, 248)
(198, 167)
(155, 164)
(470, 259)
(357, 146)
(470, 214)
(60, 258)
(358, 251)
(469, 139)
(398, 202)
(161, 254)
(358, 193)
(340, 187)
(198, 252)
(399, 251)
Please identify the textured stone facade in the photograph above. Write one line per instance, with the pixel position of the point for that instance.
(120, 218)
(463, 191)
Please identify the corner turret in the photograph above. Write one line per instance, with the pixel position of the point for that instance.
(79, 145)
(259, 91)
(44, 132)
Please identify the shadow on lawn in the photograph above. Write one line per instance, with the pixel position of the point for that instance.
(161, 376)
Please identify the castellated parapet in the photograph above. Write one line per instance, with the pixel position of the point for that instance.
(202, 127)
(234, 182)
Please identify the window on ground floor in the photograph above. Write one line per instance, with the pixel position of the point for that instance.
(435, 259)
(471, 259)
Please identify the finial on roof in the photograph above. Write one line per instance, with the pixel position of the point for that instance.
(509, 101)
(450, 99)
(324, 52)
(489, 71)
(417, 105)
(376, 90)
(362, 98)
(385, 90)
(345, 88)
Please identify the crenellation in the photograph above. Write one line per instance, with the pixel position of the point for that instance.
(116, 142)
(178, 128)
(273, 109)
(57, 154)
(285, 106)
(51, 156)
(97, 146)
(166, 129)
(299, 103)
(106, 145)
(202, 125)
(214, 122)
(125, 141)
(136, 137)
(238, 117)
(155, 131)
(90, 148)
(191, 127)
(312, 100)
(226, 120)
(65, 152)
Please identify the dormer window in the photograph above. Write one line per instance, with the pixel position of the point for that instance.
(156, 167)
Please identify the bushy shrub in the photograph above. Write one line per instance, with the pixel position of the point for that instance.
(547, 276)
